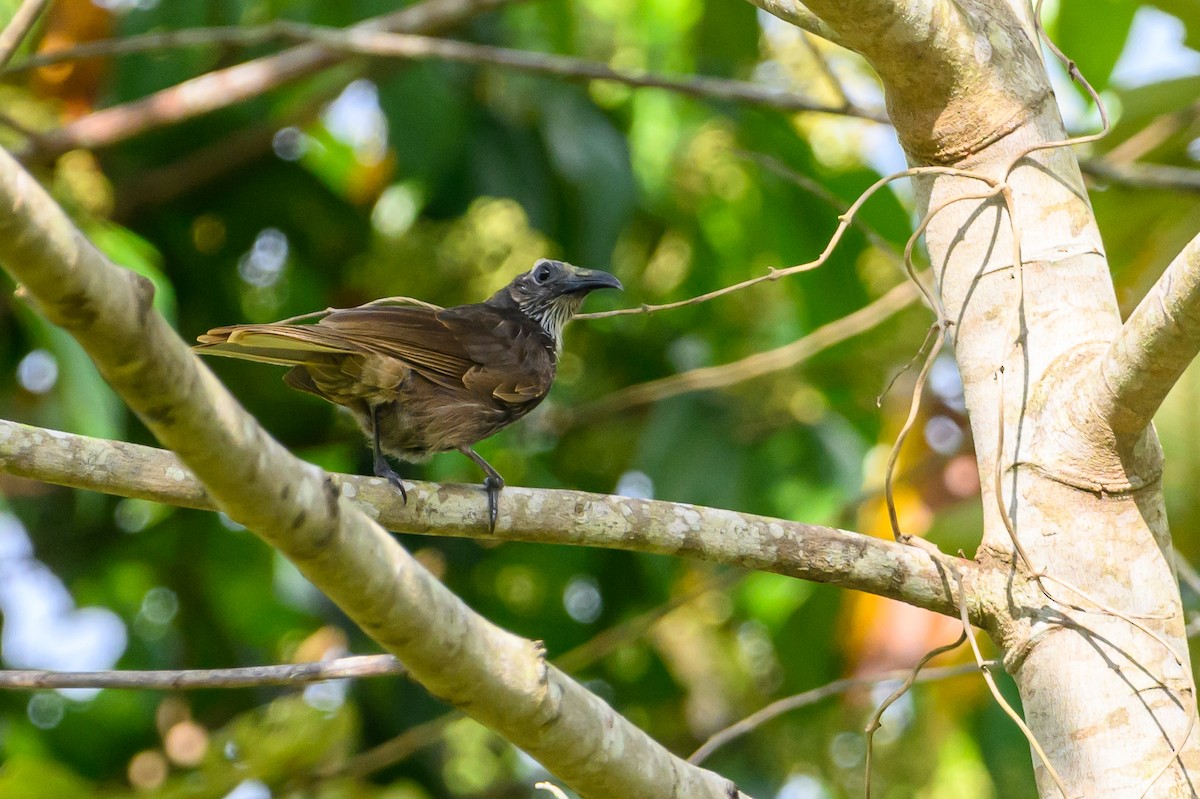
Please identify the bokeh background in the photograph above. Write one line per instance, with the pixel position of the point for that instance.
(441, 181)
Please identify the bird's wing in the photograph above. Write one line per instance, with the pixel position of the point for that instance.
(514, 360)
(413, 335)
(410, 334)
(487, 350)
(477, 346)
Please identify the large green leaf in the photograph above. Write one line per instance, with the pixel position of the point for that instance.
(1092, 33)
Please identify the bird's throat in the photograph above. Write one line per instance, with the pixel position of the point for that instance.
(554, 315)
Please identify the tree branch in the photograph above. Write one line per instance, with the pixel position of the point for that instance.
(1142, 175)
(752, 366)
(499, 678)
(814, 695)
(194, 679)
(805, 551)
(1155, 345)
(799, 15)
(239, 83)
(19, 26)
(399, 45)
(934, 108)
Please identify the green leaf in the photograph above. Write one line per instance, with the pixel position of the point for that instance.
(772, 598)
(128, 249)
(34, 778)
(1092, 33)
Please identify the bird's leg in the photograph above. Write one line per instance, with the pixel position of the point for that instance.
(382, 467)
(492, 485)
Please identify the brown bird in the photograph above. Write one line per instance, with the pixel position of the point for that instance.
(420, 380)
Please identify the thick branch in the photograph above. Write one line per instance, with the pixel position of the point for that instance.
(799, 15)
(806, 551)
(1155, 345)
(500, 679)
(241, 82)
(193, 679)
(968, 49)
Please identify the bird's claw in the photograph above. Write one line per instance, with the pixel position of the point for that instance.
(493, 485)
(382, 469)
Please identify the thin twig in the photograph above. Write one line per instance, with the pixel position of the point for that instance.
(911, 677)
(1077, 76)
(393, 750)
(1142, 175)
(844, 222)
(195, 679)
(410, 46)
(999, 697)
(769, 361)
(238, 83)
(225, 36)
(903, 370)
(608, 641)
(814, 695)
(1157, 132)
(759, 364)
(821, 192)
(913, 409)
(19, 26)
(1187, 572)
(835, 83)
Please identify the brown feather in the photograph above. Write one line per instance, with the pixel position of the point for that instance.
(421, 379)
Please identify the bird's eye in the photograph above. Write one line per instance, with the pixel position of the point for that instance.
(541, 274)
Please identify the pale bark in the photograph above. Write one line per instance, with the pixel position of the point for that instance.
(1107, 699)
(799, 15)
(499, 678)
(806, 551)
(1155, 345)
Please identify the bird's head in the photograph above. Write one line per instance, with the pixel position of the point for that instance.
(552, 292)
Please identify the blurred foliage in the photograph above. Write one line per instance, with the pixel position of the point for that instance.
(441, 182)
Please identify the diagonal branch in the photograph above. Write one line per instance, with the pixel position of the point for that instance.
(239, 83)
(499, 678)
(798, 14)
(19, 26)
(1142, 175)
(814, 695)
(1157, 342)
(760, 363)
(805, 551)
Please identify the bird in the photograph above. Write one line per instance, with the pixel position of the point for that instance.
(419, 379)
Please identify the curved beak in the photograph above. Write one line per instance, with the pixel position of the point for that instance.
(589, 280)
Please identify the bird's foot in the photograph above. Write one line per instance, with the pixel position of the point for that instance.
(492, 485)
(384, 469)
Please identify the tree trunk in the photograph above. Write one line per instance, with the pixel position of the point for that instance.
(1103, 672)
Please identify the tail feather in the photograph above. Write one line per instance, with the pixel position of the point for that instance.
(285, 345)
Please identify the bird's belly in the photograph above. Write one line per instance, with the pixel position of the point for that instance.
(425, 418)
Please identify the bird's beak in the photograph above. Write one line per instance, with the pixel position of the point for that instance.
(589, 280)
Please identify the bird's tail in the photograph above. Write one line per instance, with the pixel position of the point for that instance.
(285, 345)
